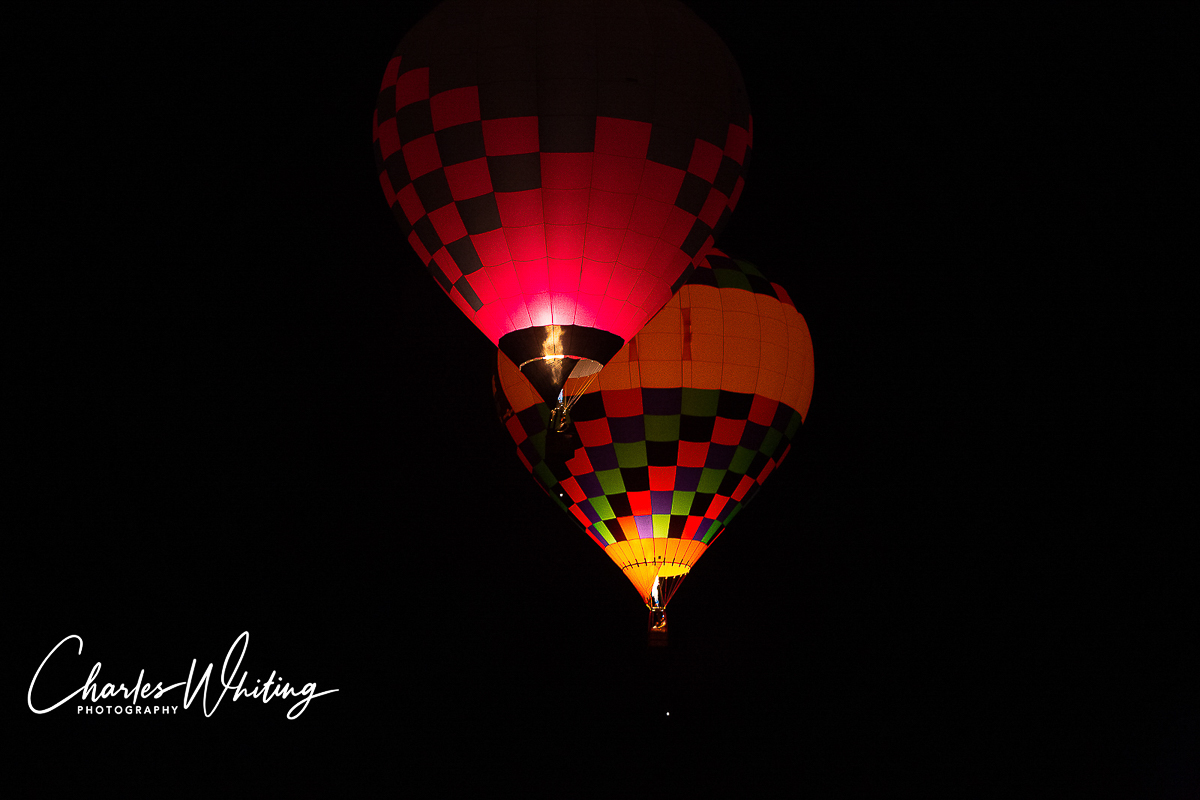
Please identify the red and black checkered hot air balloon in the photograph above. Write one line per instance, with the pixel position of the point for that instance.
(670, 440)
(560, 167)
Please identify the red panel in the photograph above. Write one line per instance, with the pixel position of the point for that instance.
(412, 86)
(716, 506)
(533, 277)
(504, 278)
(610, 210)
(617, 173)
(736, 142)
(631, 320)
(469, 179)
(586, 308)
(491, 319)
(454, 107)
(390, 72)
(580, 464)
(541, 312)
(411, 204)
(649, 216)
(609, 317)
(518, 313)
(662, 479)
(602, 244)
(421, 156)
(565, 206)
(526, 244)
(736, 194)
(642, 288)
(579, 515)
(664, 254)
(706, 160)
(565, 241)
(679, 225)
(660, 182)
(510, 137)
(783, 455)
(710, 214)
(492, 247)
(636, 249)
(571, 487)
(449, 267)
(595, 277)
(448, 224)
(563, 275)
(515, 430)
(689, 527)
(762, 410)
(566, 170)
(767, 469)
(518, 209)
(562, 308)
(743, 486)
(389, 140)
(594, 431)
(462, 303)
(727, 431)
(639, 502)
(623, 402)
(783, 295)
(692, 454)
(483, 288)
(417, 245)
(620, 282)
(622, 137)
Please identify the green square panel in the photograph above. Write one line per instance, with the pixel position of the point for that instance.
(681, 503)
(728, 279)
(544, 475)
(603, 507)
(710, 480)
(662, 428)
(748, 268)
(610, 481)
(793, 426)
(661, 524)
(629, 454)
(602, 529)
(700, 402)
(741, 460)
(770, 442)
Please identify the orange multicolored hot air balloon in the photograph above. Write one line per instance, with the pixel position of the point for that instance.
(679, 431)
(561, 167)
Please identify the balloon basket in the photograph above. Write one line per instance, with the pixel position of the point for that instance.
(657, 629)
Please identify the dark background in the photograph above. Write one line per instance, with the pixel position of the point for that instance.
(243, 405)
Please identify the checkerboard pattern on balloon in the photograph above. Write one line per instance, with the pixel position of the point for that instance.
(671, 461)
(570, 172)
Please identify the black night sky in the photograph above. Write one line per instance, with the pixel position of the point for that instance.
(243, 405)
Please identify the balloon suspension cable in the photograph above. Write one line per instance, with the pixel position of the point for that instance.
(560, 417)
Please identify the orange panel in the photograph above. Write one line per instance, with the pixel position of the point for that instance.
(703, 297)
(739, 300)
(705, 375)
(738, 378)
(742, 323)
(744, 351)
(661, 374)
